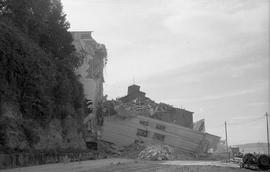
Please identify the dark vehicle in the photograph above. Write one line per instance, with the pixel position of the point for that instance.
(256, 161)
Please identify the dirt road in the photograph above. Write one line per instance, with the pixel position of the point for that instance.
(125, 165)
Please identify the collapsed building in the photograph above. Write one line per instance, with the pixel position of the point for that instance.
(138, 118)
(133, 117)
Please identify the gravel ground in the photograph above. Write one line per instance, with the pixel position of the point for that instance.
(126, 165)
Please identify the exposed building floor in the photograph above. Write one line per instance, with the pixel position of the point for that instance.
(123, 165)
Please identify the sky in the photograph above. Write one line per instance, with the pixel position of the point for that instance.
(210, 57)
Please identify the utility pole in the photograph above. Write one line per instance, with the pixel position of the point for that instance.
(227, 147)
(266, 115)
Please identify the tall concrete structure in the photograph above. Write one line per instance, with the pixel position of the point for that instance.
(93, 56)
(90, 71)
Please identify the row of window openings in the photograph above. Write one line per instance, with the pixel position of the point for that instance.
(158, 126)
(156, 136)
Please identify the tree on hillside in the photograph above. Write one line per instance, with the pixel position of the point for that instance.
(45, 23)
(37, 58)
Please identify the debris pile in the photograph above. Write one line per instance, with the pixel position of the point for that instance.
(145, 106)
(132, 151)
(107, 149)
(144, 152)
(156, 153)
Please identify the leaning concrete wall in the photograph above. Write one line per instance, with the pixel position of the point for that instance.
(123, 132)
(177, 116)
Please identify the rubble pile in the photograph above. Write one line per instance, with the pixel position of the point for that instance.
(164, 152)
(132, 151)
(131, 108)
(145, 107)
(141, 151)
(157, 153)
(108, 149)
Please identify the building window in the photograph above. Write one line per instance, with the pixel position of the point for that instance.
(141, 132)
(159, 137)
(145, 123)
(160, 127)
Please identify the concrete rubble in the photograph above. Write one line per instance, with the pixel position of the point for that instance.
(156, 153)
(139, 150)
(164, 152)
(106, 149)
(132, 151)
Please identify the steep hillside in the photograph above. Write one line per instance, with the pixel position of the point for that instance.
(41, 99)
